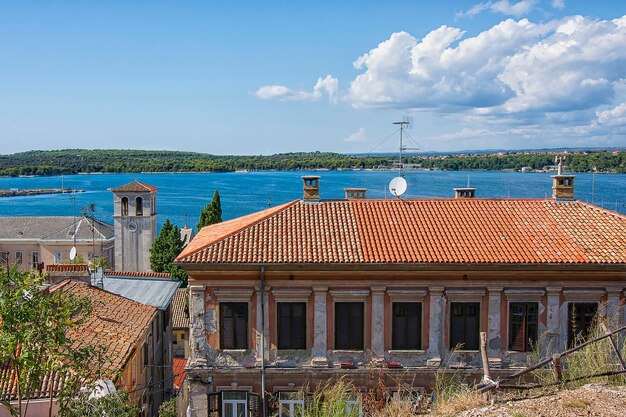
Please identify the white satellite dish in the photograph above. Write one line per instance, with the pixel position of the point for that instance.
(73, 253)
(397, 186)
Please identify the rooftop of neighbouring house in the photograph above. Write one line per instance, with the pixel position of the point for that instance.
(134, 187)
(180, 309)
(397, 231)
(179, 372)
(155, 289)
(57, 228)
(115, 324)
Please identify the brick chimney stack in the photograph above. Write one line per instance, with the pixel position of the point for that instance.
(464, 192)
(563, 187)
(355, 193)
(311, 188)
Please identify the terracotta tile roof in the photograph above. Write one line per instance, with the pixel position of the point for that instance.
(180, 309)
(147, 274)
(67, 268)
(134, 187)
(509, 231)
(116, 324)
(179, 372)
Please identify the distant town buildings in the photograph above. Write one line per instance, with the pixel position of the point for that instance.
(29, 242)
(287, 298)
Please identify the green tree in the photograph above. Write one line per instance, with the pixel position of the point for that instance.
(165, 248)
(116, 404)
(212, 213)
(34, 331)
(168, 408)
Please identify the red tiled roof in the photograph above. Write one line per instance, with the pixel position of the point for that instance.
(67, 268)
(509, 231)
(180, 309)
(179, 372)
(148, 274)
(134, 187)
(115, 324)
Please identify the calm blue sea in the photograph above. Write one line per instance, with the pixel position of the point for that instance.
(181, 196)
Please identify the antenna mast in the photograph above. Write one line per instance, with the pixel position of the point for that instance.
(402, 124)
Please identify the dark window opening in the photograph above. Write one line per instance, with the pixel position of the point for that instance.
(580, 321)
(349, 326)
(124, 206)
(139, 206)
(291, 325)
(464, 325)
(407, 326)
(234, 325)
(523, 322)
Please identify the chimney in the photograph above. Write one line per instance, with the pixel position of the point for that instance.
(355, 193)
(311, 188)
(563, 187)
(464, 192)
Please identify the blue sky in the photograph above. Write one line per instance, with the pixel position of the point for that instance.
(265, 77)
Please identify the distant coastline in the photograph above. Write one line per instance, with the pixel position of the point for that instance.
(100, 161)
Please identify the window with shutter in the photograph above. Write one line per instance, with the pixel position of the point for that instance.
(581, 316)
(464, 325)
(291, 325)
(523, 322)
(407, 326)
(349, 325)
(234, 325)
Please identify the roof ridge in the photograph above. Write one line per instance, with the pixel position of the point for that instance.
(606, 210)
(269, 213)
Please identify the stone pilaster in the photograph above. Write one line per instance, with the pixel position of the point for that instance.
(262, 320)
(319, 350)
(202, 320)
(378, 321)
(436, 322)
(494, 338)
(553, 319)
(613, 312)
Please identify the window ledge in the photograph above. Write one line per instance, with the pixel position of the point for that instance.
(348, 351)
(407, 351)
(518, 352)
(465, 351)
(235, 351)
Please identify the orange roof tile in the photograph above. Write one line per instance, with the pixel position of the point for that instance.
(180, 309)
(134, 187)
(148, 274)
(509, 231)
(116, 324)
(179, 372)
(67, 268)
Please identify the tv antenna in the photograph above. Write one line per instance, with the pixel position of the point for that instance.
(398, 185)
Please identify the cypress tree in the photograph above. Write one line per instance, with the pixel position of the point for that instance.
(165, 248)
(212, 213)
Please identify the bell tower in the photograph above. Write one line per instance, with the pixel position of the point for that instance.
(134, 215)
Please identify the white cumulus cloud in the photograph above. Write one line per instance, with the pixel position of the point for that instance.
(328, 86)
(506, 7)
(513, 67)
(358, 136)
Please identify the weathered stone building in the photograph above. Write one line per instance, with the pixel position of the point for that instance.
(316, 289)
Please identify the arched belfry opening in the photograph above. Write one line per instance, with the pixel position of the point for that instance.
(139, 206)
(124, 206)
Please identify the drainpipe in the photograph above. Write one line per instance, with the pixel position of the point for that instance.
(262, 278)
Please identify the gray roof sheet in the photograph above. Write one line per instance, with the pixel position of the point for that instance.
(157, 292)
(54, 228)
